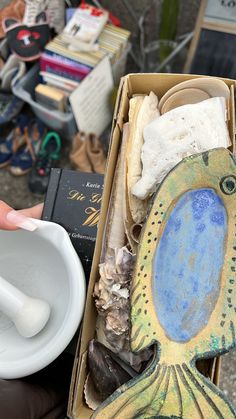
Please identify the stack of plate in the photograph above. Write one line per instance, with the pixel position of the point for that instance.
(193, 91)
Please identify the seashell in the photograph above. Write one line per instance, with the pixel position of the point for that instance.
(92, 397)
(142, 111)
(121, 346)
(115, 231)
(111, 294)
(137, 361)
(100, 332)
(184, 97)
(118, 344)
(117, 321)
(135, 232)
(124, 262)
(105, 373)
(127, 217)
(99, 385)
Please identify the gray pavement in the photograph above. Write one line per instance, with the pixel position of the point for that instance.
(228, 376)
(14, 189)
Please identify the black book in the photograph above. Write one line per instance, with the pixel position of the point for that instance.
(73, 200)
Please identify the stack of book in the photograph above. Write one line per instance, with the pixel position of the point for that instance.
(71, 56)
(65, 68)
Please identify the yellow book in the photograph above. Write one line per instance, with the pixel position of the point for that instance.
(50, 97)
(112, 41)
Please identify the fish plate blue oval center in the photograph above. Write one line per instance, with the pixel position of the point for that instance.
(188, 262)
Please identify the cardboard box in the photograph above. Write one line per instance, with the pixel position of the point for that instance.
(129, 85)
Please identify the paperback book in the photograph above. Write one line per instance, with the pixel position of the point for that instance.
(112, 41)
(58, 81)
(56, 65)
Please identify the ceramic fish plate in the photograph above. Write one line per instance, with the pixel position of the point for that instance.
(184, 293)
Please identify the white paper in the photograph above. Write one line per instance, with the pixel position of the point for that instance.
(86, 23)
(91, 100)
(221, 11)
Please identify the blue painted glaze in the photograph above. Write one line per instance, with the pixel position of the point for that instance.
(187, 264)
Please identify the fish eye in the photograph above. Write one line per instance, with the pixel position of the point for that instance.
(228, 184)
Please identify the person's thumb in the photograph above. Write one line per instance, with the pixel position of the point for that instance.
(11, 219)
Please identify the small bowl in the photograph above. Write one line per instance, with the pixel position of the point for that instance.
(212, 86)
(42, 264)
(184, 97)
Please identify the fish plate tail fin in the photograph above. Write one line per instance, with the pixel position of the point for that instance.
(167, 391)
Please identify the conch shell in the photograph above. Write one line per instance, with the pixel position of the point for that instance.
(143, 110)
(115, 230)
(127, 217)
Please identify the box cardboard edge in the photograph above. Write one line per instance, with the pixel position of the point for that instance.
(129, 85)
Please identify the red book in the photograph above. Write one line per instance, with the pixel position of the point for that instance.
(63, 68)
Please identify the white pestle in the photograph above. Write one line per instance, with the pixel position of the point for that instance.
(29, 315)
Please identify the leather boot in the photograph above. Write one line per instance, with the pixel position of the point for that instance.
(78, 156)
(96, 153)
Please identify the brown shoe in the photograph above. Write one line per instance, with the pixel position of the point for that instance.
(96, 153)
(15, 10)
(78, 156)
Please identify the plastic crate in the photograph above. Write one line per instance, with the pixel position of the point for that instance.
(118, 69)
(63, 123)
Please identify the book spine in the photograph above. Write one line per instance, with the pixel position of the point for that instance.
(57, 58)
(61, 70)
(49, 102)
(49, 204)
(51, 69)
(83, 58)
(65, 86)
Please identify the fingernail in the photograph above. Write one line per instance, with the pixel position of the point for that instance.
(20, 220)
